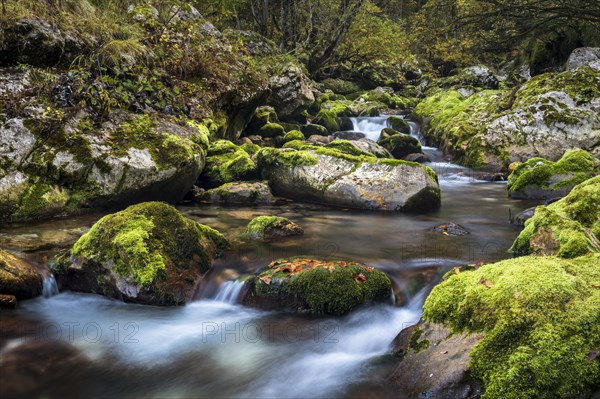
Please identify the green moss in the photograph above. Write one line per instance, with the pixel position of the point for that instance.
(415, 344)
(340, 86)
(272, 157)
(327, 118)
(41, 200)
(565, 228)
(293, 135)
(400, 145)
(540, 317)
(347, 147)
(323, 287)
(574, 167)
(271, 130)
(143, 241)
(225, 163)
(167, 150)
(257, 226)
(203, 136)
(399, 124)
(295, 144)
(251, 149)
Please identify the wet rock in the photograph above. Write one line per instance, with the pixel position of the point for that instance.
(318, 287)
(362, 182)
(313, 129)
(349, 135)
(520, 218)
(8, 301)
(149, 254)
(435, 363)
(451, 229)
(30, 368)
(18, 278)
(417, 157)
(371, 147)
(270, 228)
(322, 140)
(239, 193)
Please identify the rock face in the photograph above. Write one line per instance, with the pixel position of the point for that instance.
(527, 319)
(149, 253)
(18, 278)
(239, 193)
(270, 228)
(545, 117)
(291, 91)
(451, 229)
(435, 363)
(567, 228)
(330, 177)
(317, 286)
(584, 57)
(539, 178)
(55, 164)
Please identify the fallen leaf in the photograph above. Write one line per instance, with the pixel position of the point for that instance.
(265, 279)
(445, 233)
(486, 282)
(457, 270)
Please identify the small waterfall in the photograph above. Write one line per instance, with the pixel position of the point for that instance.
(229, 292)
(49, 287)
(371, 126)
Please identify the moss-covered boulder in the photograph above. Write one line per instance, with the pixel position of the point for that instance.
(319, 287)
(537, 320)
(399, 124)
(329, 119)
(539, 178)
(312, 129)
(545, 117)
(148, 253)
(239, 193)
(340, 86)
(18, 278)
(270, 228)
(57, 162)
(226, 163)
(271, 130)
(330, 176)
(260, 118)
(567, 228)
(398, 144)
(293, 135)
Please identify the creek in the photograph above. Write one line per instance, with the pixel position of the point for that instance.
(216, 348)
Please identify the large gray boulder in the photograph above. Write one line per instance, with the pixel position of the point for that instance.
(291, 90)
(53, 164)
(330, 177)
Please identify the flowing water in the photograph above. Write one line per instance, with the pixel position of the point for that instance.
(215, 347)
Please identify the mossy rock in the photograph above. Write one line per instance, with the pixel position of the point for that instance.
(226, 163)
(269, 228)
(293, 135)
(18, 278)
(148, 253)
(539, 323)
(539, 178)
(399, 124)
(239, 193)
(398, 144)
(567, 228)
(329, 119)
(261, 117)
(318, 287)
(271, 130)
(313, 129)
(340, 86)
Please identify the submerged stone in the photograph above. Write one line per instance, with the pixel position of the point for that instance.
(270, 228)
